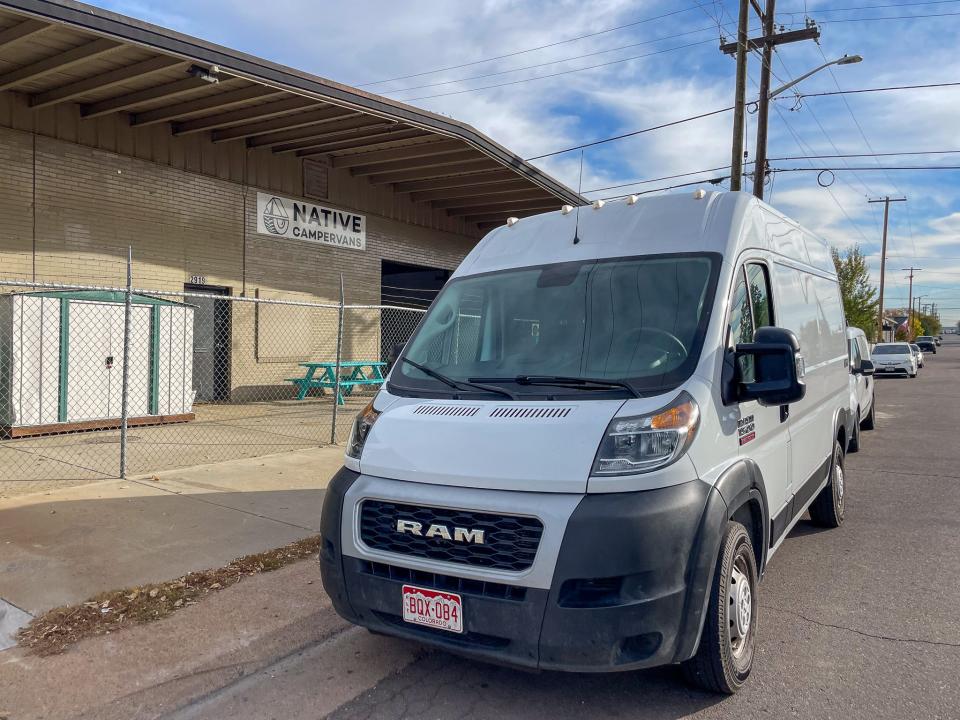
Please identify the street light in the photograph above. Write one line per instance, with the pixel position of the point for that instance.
(845, 60)
(760, 160)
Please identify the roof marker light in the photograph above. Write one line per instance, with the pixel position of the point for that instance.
(511, 221)
(566, 209)
(699, 194)
(632, 199)
(597, 204)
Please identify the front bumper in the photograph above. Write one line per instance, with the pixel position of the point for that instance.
(628, 590)
(904, 368)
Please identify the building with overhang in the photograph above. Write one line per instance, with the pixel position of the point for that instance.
(229, 174)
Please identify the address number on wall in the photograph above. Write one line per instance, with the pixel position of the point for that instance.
(198, 279)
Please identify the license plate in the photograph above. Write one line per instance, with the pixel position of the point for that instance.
(432, 608)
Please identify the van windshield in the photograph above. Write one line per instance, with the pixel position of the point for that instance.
(638, 321)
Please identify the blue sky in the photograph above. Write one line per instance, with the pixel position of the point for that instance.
(663, 66)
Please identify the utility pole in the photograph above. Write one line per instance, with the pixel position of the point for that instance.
(740, 100)
(763, 104)
(741, 47)
(910, 313)
(883, 253)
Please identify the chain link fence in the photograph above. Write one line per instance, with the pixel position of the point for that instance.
(101, 381)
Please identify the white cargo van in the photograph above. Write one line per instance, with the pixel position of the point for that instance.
(862, 416)
(597, 438)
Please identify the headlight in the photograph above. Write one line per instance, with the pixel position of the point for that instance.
(361, 428)
(648, 442)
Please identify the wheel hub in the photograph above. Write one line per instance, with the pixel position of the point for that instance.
(838, 479)
(743, 603)
(740, 607)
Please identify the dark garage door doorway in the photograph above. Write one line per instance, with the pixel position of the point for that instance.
(404, 285)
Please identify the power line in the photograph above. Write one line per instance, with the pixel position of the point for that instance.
(563, 72)
(866, 168)
(823, 130)
(531, 49)
(871, 7)
(854, 117)
(633, 132)
(774, 159)
(551, 62)
(868, 90)
(887, 17)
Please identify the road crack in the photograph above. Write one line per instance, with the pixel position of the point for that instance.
(864, 633)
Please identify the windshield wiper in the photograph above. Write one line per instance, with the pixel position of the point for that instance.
(564, 381)
(457, 384)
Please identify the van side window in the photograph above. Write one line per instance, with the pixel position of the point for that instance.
(741, 325)
(760, 295)
(751, 309)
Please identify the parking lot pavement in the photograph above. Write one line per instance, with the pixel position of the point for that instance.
(859, 622)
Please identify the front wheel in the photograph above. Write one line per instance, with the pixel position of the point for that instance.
(827, 509)
(724, 658)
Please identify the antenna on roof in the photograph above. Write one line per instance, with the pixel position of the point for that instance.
(576, 227)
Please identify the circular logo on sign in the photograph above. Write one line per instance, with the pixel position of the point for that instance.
(275, 218)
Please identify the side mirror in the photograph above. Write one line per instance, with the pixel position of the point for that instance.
(778, 368)
(394, 354)
(866, 368)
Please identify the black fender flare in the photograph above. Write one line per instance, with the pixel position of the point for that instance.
(844, 419)
(740, 484)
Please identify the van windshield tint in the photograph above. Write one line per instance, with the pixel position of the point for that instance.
(640, 320)
(892, 350)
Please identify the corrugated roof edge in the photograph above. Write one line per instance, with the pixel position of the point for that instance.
(121, 27)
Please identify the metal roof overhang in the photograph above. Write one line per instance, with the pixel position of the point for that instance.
(58, 52)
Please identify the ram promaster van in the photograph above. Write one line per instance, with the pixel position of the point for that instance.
(596, 440)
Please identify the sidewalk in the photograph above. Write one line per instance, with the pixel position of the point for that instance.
(62, 547)
(277, 627)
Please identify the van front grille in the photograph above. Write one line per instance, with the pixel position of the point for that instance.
(509, 541)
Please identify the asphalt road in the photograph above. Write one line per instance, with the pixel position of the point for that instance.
(859, 622)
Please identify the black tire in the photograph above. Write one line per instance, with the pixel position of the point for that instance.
(724, 658)
(911, 376)
(870, 421)
(827, 510)
(854, 444)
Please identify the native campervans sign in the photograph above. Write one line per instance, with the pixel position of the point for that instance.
(297, 220)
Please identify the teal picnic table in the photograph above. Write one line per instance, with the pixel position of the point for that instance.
(352, 374)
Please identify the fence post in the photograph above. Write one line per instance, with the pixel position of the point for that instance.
(125, 387)
(336, 382)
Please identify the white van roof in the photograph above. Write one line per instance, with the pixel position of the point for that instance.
(720, 222)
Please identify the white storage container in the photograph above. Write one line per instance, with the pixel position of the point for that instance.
(61, 361)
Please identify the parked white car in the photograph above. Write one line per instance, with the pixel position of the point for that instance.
(861, 386)
(918, 354)
(600, 433)
(897, 357)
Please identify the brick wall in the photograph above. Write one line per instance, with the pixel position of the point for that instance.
(91, 204)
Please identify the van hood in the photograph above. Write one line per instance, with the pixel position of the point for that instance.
(530, 446)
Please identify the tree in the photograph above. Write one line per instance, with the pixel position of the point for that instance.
(859, 296)
(929, 324)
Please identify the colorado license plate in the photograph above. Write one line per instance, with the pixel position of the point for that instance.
(432, 608)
